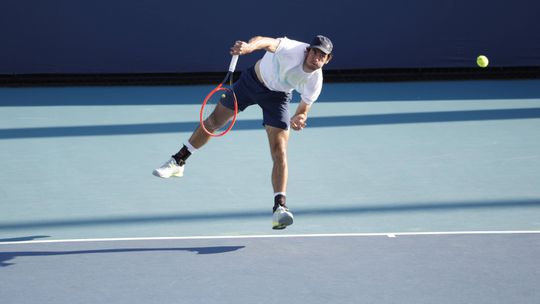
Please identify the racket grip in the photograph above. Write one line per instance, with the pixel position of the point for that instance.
(234, 60)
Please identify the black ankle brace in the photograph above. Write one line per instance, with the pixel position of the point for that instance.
(182, 156)
(279, 200)
(180, 161)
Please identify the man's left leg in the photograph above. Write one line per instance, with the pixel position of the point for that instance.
(278, 140)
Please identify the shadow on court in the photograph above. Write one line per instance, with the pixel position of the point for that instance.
(259, 214)
(24, 239)
(7, 256)
(252, 124)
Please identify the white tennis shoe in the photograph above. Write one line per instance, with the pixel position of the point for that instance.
(282, 218)
(168, 169)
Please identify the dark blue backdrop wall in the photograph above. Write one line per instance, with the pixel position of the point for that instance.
(155, 36)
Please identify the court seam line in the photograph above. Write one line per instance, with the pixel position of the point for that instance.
(270, 236)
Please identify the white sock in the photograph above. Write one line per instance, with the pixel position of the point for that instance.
(190, 148)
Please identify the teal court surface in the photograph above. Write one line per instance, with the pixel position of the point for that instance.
(403, 192)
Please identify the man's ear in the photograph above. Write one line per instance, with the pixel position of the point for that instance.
(330, 56)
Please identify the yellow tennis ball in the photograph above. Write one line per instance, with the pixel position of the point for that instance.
(482, 61)
(223, 96)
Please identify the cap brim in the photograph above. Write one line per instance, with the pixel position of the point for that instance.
(324, 50)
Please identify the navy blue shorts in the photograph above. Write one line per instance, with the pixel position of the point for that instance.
(249, 91)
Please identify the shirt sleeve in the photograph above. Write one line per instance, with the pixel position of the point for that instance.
(312, 89)
(289, 49)
(284, 44)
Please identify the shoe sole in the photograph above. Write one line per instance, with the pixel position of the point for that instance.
(279, 227)
(155, 173)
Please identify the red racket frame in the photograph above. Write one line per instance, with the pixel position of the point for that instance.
(201, 114)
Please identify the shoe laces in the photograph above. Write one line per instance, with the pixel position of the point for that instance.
(171, 164)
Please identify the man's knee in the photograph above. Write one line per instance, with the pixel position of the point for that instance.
(218, 118)
(279, 152)
(212, 123)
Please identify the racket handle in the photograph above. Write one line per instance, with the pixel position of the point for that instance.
(234, 60)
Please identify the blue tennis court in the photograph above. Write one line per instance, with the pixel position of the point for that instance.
(415, 192)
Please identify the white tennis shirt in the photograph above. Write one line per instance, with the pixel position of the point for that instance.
(282, 71)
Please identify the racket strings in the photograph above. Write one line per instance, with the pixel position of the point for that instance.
(222, 122)
(209, 120)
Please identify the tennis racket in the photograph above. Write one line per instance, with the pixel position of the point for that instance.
(219, 124)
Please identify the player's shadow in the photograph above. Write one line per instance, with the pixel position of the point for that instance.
(24, 238)
(5, 257)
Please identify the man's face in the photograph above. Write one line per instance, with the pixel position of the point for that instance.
(316, 59)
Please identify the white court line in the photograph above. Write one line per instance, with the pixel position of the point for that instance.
(270, 236)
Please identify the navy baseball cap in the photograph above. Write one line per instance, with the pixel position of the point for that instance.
(322, 43)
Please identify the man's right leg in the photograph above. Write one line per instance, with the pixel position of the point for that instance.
(175, 165)
(215, 121)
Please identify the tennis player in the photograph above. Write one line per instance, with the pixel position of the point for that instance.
(287, 65)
